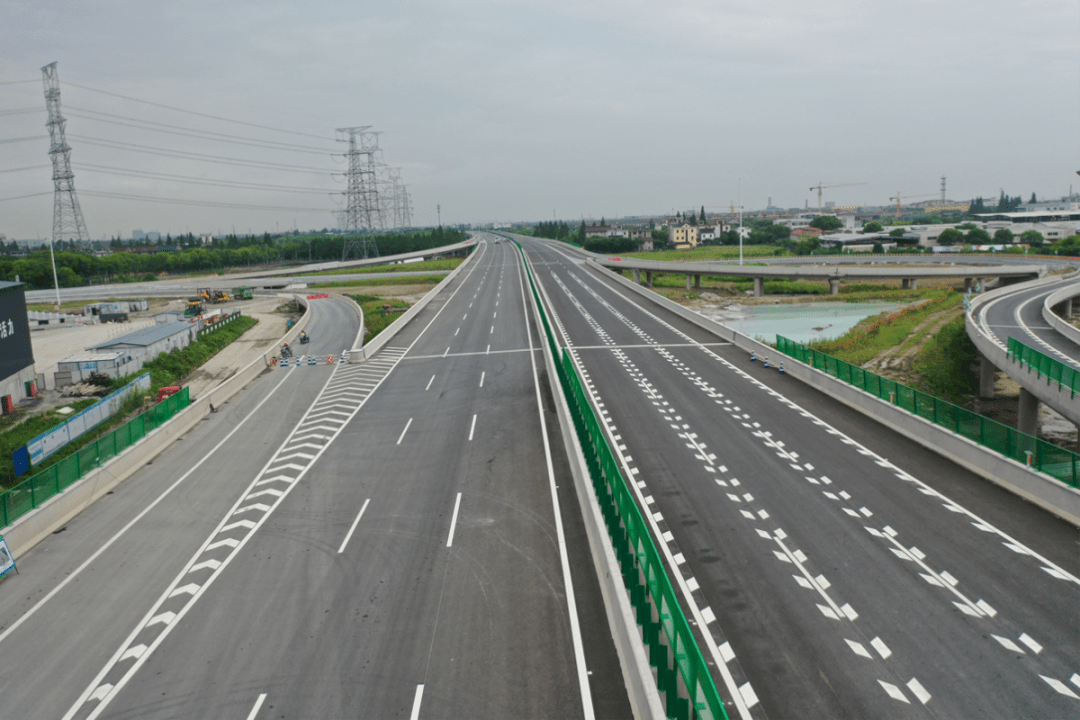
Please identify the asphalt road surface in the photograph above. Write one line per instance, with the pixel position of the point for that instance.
(396, 538)
(837, 570)
(1019, 315)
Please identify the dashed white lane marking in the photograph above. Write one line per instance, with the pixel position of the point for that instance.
(472, 428)
(1060, 686)
(405, 430)
(453, 521)
(416, 702)
(258, 704)
(482, 374)
(429, 383)
(352, 528)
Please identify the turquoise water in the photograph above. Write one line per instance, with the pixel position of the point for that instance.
(801, 322)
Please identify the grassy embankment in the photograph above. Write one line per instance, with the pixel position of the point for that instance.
(166, 369)
(377, 313)
(427, 265)
(925, 345)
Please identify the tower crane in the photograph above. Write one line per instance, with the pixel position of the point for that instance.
(821, 186)
(900, 197)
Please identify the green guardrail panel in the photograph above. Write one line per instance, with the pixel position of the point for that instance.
(1045, 457)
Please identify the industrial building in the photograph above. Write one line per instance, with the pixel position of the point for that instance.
(126, 354)
(17, 379)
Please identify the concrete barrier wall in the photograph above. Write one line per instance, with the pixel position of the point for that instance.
(35, 526)
(366, 351)
(1043, 490)
(1055, 321)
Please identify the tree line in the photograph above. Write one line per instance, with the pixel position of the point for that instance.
(76, 268)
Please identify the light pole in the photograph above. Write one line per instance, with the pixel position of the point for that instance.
(740, 221)
(56, 282)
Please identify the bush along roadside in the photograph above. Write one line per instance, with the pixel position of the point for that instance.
(378, 313)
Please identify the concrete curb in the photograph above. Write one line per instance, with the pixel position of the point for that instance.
(1042, 490)
(1056, 321)
(638, 674)
(35, 526)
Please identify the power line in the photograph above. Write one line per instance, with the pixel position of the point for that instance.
(28, 167)
(23, 197)
(202, 134)
(20, 82)
(24, 139)
(192, 112)
(105, 170)
(203, 203)
(118, 145)
(21, 111)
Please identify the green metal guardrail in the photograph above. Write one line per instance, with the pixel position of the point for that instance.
(1043, 456)
(686, 682)
(1066, 377)
(35, 490)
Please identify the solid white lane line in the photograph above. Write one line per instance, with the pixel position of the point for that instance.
(473, 428)
(564, 558)
(258, 704)
(353, 528)
(136, 519)
(416, 702)
(429, 383)
(482, 378)
(453, 524)
(402, 435)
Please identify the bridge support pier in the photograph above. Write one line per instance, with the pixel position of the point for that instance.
(687, 282)
(834, 286)
(1027, 419)
(968, 282)
(910, 283)
(1068, 310)
(637, 277)
(987, 376)
(759, 286)
(648, 279)
(697, 285)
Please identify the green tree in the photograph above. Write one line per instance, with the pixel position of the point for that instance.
(1032, 237)
(897, 233)
(826, 222)
(873, 226)
(878, 248)
(977, 236)
(1004, 236)
(950, 236)
(702, 214)
(1033, 200)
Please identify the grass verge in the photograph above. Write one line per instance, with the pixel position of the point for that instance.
(378, 313)
(382, 282)
(443, 264)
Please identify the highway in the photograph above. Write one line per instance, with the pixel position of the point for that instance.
(835, 570)
(393, 538)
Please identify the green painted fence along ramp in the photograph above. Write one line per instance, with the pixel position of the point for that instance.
(681, 672)
(35, 490)
(1067, 378)
(1041, 455)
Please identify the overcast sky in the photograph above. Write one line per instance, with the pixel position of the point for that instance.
(504, 111)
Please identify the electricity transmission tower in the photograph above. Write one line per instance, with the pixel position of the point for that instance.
(362, 215)
(400, 212)
(68, 220)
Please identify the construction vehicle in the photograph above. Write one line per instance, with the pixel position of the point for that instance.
(220, 296)
(202, 294)
(194, 307)
(243, 293)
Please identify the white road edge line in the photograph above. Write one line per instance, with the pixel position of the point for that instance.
(353, 528)
(416, 702)
(402, 435)
(734, 692)
(258, 704)
(564, 558)
(453, 524)
(15, 625)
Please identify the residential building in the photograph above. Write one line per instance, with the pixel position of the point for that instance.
(684, 237)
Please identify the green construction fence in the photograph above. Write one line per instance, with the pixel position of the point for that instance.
(1041, 455)
(681, 671)
(35, 490)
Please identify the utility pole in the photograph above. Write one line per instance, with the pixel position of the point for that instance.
(740, 221)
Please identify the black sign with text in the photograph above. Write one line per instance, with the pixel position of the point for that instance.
(16, 352)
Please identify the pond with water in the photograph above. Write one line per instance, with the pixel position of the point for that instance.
(801, 322)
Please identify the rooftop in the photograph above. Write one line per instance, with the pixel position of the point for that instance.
(147, 336)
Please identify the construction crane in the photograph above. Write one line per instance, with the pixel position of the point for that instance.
(821, 186)
(900, 197)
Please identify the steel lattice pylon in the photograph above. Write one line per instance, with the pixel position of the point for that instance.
(363, 215)
(68, 223)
